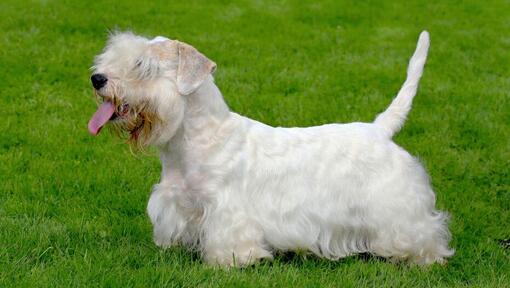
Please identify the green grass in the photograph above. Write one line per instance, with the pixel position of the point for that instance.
(72, 207)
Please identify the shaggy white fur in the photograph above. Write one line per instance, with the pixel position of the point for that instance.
(238, 189)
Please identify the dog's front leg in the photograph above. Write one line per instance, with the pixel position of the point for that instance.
(233, 239)
(169, 219)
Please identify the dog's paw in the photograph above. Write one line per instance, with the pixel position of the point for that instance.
(163, 242)
(237, 258)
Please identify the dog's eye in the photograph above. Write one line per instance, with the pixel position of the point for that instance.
(142, 68)
(146, 68)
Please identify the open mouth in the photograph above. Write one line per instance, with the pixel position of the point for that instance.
(120, 112)
(107, 111)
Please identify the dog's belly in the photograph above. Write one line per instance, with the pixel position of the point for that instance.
(330, 187)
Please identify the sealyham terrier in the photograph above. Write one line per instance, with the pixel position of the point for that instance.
(238, 190)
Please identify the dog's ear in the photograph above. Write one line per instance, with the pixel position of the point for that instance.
(193, 69)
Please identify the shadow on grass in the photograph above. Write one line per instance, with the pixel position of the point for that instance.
(184, 256)
(305, 259)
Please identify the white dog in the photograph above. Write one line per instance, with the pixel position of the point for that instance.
(238, 190)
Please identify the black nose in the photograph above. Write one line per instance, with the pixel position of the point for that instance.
(98, 81)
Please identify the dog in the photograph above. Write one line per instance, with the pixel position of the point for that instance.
(238, 190)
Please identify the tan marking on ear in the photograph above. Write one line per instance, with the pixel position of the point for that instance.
(193, 68)
(166, 50)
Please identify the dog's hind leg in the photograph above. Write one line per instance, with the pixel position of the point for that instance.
(423, 242)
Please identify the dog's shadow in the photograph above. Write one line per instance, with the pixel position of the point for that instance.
(298, 259)
(185, 256)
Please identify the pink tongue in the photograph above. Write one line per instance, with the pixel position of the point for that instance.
(102, 115)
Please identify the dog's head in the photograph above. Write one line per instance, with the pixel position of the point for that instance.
(142, 85)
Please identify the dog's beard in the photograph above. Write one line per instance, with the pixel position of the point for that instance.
(135, 123)
(136, 126)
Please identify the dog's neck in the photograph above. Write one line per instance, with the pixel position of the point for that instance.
(206, 103)
(203, 117)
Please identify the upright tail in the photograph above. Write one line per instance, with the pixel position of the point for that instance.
(394, 117)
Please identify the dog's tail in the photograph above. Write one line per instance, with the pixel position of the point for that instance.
(394, 117)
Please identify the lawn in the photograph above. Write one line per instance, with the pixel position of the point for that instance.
(72, 207)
